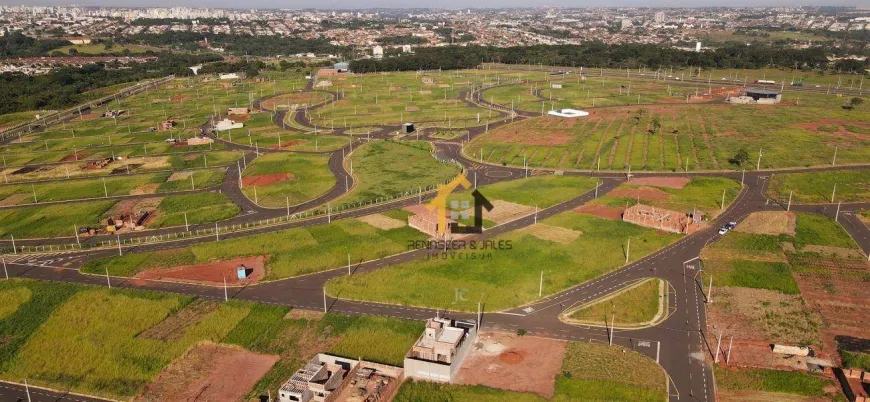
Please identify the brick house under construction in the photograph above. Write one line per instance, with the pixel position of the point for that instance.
(661, 219)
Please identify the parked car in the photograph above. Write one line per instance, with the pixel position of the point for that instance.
(723, 230)
(731, 225)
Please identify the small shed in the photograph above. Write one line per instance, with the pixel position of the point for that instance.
(242, 272)
(341, 67)
(408, 128)
(764, 95)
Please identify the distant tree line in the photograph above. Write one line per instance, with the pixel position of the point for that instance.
(240, 44)
(16, 44)
(66, 86)
(598, 54)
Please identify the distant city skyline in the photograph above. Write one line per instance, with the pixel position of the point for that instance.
(445, 4)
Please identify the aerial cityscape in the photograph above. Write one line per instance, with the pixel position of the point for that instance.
(479, 203)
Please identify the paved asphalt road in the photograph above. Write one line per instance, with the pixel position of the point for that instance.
(679, 344)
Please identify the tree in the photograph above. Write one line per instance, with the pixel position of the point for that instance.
(856, 101)
(740, 158)
(656, 124)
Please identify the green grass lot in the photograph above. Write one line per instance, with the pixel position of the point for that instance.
(200, 208)
(760, 262)
(857, 360)
(15, 194)
(631, 307)
(787, 382)
(378, 339)
(576, 92)
(819, 230)
(189, 101)
(818, 187)
(310, 177)
(509, 277)
(99, 48)
(60, 219)
(388, 168)
(395, 98)
(545, 191)
(753, 274)
(108, 353)
(51, 220)
(261, 131)
(703, 193)
(589, 372)
(11, 119)
(702, 137)
(290, 252)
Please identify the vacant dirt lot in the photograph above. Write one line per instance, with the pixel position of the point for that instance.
(556, 234)
(538, 131)
(209, 372)
(507, 361)
(763, 315)
(645, 193)
(264, 180)
(769, 223)
(669, 182)
(210, 273)
(382, 222)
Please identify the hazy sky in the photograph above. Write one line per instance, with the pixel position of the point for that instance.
(333, 4)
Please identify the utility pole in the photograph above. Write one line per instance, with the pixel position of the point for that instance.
(119, 245)
(627, 249)
(833, 193)
(4, 267)
(837, 215)
(710, 290)
(324, 299)
(216, 234)
(612, 324)
(718, 347)
(108, 281)
(541, 285)
(76, 231)
(226, 298)
(723, 200)
(186, 226)
(728, 355)
(788, 208)
(758, 164)
(834, 161)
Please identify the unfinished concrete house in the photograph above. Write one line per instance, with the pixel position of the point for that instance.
(322, 376)
(661, 219)
(439, 352)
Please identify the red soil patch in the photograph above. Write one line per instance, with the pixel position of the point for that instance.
(209, 372)
(643, 193)
(212, 273)
(507, 361)
(78, 155)
(288, 144)
(264, 180)
(512, 357)
(534, 132)
(814, 127)
(601, 211)
(239, 117)
(179, 98)
(669, 182)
